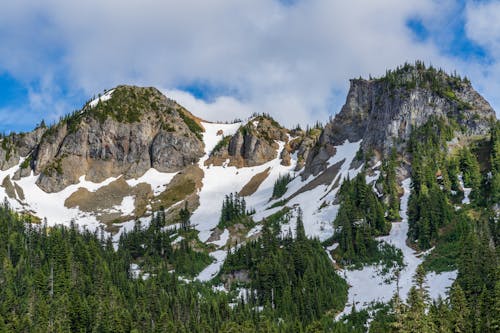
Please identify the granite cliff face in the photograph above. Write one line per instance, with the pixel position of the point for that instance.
(127, 133)
(382, 112)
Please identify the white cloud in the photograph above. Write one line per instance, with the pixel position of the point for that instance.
(223, 108)
(293, 62)
(483, 25)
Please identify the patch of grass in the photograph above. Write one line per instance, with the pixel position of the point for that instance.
(191, 124)
(278, 204)
(443, 258)
(449, 94)
(177, 192)
(27, 162)
(167, 127)
(448, 246)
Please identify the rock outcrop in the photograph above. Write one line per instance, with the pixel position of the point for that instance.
(18, 145)
(255, 143)
(132, 131)
(382, 112)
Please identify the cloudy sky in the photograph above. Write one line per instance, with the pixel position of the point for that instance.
(225, 59)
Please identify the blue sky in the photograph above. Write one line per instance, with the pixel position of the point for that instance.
(225, 59)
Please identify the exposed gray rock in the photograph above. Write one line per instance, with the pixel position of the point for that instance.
(253, 144)
(128, 135)
(170, 152)
(18, 145)
(382, 113)
(252, 149)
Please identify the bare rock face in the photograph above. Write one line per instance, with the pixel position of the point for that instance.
(133, 131)
(18, 145)
(303, 144)
(383, 112)
(253, 144)
(250, 149)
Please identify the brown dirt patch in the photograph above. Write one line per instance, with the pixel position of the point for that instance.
(325, 178)
(9, 187)
(182, 185)
(19, 191)
(181, 190)
(102, 201)
(253, 184)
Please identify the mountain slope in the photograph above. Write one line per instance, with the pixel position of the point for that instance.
(133, 152)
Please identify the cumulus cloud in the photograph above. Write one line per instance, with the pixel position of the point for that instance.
(224, 108)
(483, 27)
(292, 60)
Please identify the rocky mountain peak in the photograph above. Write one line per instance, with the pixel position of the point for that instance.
(382, 112)
(126, 131)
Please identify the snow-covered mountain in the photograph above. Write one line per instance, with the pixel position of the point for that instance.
(133, 151)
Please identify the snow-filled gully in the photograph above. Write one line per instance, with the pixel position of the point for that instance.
(368, 285)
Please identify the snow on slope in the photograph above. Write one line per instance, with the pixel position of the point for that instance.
(217, 181)
(51, 205)
(103, 98)
(440, 283)
(211, 270)
(368, 286)
(158, 180)
(467, 190)
(317, 220)
(221, 180)
(222, 240)
(127, 205)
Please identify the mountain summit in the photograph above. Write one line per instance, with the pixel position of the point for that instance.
(382, 112)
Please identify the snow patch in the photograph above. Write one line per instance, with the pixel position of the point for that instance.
(127, 206)
(156, 179)
(101, 99)
(219, 181)
(213, 269)
(224, 237)
(440, 283)
(319, 212)
(51, 205)
(177, 240)
(467, 190)
(254, 231)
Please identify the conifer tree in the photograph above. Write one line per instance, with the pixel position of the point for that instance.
(459, 310)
